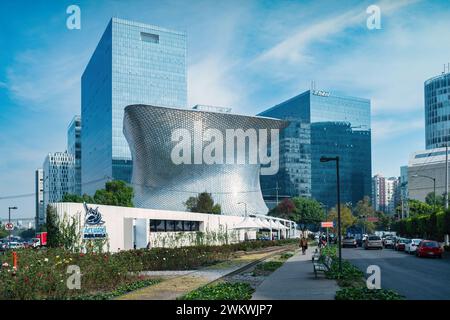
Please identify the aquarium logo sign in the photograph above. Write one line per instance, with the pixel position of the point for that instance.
(94, 227)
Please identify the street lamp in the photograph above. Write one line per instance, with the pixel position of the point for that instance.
(245, 204)
(338, 189)
(9, 221)
(434, 187)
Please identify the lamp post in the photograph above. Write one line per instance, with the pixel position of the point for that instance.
(434, 187)
(9, 221)
(245, 204)
(338, 189)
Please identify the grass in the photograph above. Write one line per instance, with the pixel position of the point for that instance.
(363, 293)
(119, 291)
(221, 291)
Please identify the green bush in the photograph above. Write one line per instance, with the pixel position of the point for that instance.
(222, 291)
(41, 274)
(363, 293)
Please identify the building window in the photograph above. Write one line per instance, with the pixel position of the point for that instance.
(173, 225)
(149, 37)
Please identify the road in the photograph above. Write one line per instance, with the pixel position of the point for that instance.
(415, 278)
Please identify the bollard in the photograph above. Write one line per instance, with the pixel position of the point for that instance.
(14, 259)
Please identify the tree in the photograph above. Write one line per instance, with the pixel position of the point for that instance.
(362, 211)
(28, 233)
(347, 218)
(285, 209)
(3, 232)
(116, 193)
(417, 207)
(309, 211)
(430, 200)
(203, 203)
(53, 232)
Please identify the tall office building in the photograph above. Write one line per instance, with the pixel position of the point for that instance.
(437, 111)
(323, 124)
(74, 148)
(59, 176)
(133, 63)
(39, 197)
(385, 193)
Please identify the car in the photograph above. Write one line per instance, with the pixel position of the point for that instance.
(388, 242)
(429, 248)
(349, 242)
(400, 244)
(412, 245)
(373, 242)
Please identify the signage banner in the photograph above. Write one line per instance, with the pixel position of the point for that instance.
(327, 224)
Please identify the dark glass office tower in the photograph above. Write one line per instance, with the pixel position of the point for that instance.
(323, 124)
(134, 63)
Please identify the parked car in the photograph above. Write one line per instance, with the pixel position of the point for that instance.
(429, 248)
(400, 244)
(388, 242)
(14, 245)
(412, 245)
(373, 242)
(349, 242)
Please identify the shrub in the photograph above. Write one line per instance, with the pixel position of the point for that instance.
(221, 291)
(363, 293)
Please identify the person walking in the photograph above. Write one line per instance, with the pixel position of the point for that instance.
(304, 244)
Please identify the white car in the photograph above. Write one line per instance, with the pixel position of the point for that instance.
(411, 246)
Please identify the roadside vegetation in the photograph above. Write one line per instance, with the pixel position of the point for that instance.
(221, 291)
(352, 281)
(42, 274)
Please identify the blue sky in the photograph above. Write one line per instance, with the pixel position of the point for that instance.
(248, 55)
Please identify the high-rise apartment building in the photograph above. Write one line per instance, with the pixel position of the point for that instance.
(437, 111)
(39, 197)
(323, 124)
(134, 63)
(59, 176)
(74, 148)
(385, 193)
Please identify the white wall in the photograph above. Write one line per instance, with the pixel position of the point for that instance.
(119, 223)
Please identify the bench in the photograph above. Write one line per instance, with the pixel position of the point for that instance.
(322, 266)
(315, 255)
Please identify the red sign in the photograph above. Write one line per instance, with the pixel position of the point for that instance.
(372, 219)
(327, 224)
(9, 226)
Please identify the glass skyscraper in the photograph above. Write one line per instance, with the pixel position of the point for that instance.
(74, 148)
(323, 124)
(437, 111)
(133, 63)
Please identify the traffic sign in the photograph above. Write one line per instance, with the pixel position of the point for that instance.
(372, 219)
(327, 224)
(9, 226)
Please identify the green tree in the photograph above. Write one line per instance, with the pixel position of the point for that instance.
(362, 211)
(347, 218)
(116, 193)
(53, 232)
(203, 203)
(417, 208)
(28, 233)
(3, 232)
(430, 200)
(309, 211)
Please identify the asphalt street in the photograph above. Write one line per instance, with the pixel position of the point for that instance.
(413, 277)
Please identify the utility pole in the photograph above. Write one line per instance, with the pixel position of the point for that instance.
(277, 191)
(446, 176)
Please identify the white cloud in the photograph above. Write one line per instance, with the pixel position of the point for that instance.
(295, 48)
(391, 129)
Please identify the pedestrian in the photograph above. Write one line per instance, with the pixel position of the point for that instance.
(304, 244)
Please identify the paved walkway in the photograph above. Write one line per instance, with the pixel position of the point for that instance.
(295, 281)
(187, 281)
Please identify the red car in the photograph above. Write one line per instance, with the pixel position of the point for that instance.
(429, 248)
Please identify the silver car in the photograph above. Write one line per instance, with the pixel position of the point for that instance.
(349, 242)
(373, 242)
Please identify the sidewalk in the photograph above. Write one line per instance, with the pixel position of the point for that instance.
(295, 281)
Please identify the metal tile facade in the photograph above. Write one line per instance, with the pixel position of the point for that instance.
(161, 184)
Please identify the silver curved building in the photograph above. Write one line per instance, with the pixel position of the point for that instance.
(159, 183)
